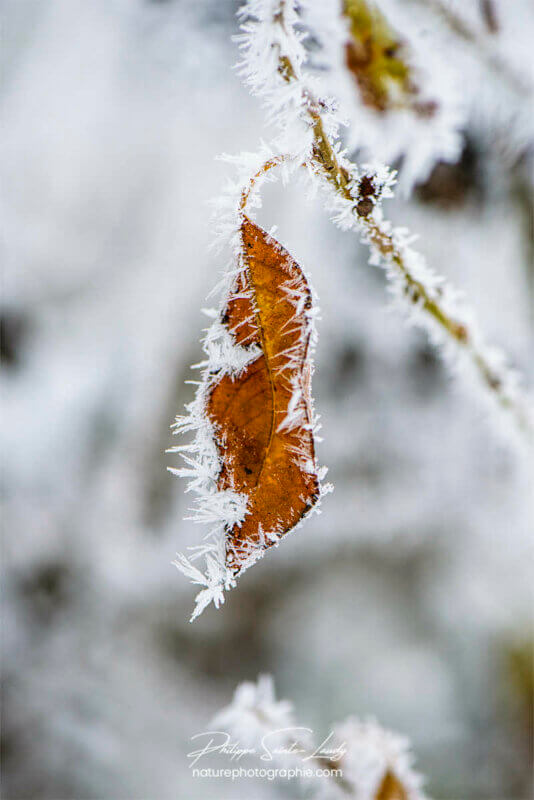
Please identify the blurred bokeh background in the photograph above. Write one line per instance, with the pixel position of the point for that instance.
(408, 599)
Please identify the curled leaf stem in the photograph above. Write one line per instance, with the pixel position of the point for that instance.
(268, 165)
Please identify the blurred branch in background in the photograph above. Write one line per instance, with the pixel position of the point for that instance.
(484, 41)
(358, 759)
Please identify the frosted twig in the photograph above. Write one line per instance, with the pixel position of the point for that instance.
(354, 197)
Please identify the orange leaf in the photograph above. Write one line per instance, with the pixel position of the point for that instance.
(252, 460)
(263, 416)
(391, 788)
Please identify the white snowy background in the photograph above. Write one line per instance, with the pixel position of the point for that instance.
(409, 598)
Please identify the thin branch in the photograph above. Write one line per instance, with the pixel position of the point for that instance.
(268, 165)
(429, 297)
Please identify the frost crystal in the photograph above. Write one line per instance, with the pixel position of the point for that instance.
(374, 755)
(254, 712)
(224, 508)
(366, 760)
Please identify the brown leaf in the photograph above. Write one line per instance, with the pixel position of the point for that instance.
(378, 60)
(263, 416)
(391, 788)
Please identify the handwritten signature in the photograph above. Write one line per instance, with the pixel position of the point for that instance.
(292, 744)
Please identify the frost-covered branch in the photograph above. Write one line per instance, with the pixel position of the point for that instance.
(244, 515)
(272, 65)
(356, 759)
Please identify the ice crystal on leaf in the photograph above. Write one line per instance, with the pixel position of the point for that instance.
(378, 763)
(254, 712)
(252, 462)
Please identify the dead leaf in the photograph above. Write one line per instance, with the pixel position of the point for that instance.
(377, 59)
(262, 417)
(391, 788)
